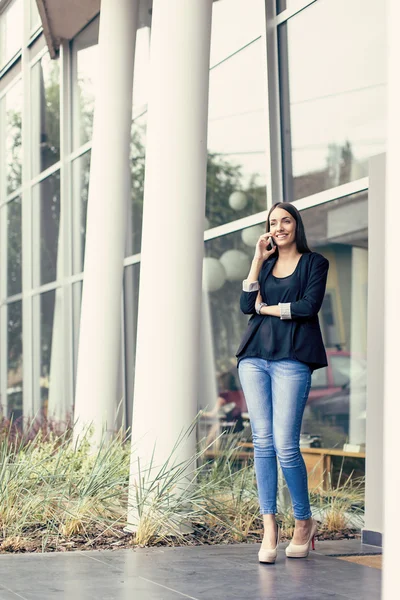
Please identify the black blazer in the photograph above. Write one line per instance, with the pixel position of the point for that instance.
(307, 340)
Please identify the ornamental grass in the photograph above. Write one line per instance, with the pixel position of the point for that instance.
(60, 495)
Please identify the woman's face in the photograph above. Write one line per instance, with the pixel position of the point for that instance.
(282, 227)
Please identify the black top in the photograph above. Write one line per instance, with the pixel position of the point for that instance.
(277, 332)
(299, 338)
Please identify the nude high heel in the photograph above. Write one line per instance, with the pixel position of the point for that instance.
(268, 555)
(302, 550)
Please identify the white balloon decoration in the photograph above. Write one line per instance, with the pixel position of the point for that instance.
(251, 234)
(236, 264)
(238, 200)
(214, 275)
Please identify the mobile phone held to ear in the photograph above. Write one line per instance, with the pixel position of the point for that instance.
(271, 243)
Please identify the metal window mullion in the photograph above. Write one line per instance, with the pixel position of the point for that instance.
(3, 263)
(294, 10)
(38, 57)
(12, 83)
(3, 252)
(3, 170)
(66, 218)
(285, 114)
(274, 113)
(15, 194)
(26, 231)
(36, 355)
(49, 171)
(80, 151)
(4, 359)
(341, 191)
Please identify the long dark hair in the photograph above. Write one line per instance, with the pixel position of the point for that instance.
(301, 240)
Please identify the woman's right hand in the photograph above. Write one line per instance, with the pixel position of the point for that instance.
(261, 252)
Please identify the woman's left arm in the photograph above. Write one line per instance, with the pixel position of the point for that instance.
(308, 306)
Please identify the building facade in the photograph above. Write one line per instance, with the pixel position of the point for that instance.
(293, 106)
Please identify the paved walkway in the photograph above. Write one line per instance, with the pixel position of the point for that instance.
(200, 573)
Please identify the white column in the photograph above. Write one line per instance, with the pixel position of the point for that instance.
(391, 214)
(109, 191)
(373, 519)
(358, 343)
(166, 380)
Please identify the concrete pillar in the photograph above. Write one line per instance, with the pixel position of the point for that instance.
(390, 308)
(373, 519)
(358, 344)
(109, 192)
(167, 355)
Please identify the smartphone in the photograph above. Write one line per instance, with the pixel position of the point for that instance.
(271, 243)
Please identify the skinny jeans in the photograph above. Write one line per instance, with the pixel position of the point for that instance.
(276, 393)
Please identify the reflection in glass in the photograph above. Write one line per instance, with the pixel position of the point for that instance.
(46, 202)
(45, 114)
(336, 410)
(80, 177)
(226, 263)
(234, 24)
(11, 31)
(138, 140)
(237, 125)
(334, 116)
(84, 69)
(14, 360)
(14, 247)
(282, 5)
(138, 155)
(13, 138)
(47, 306)
(131, 297)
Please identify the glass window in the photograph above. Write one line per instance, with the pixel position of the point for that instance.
(138, 140)
(80, 177)
(336, 407)
(45, 114)
(11, 31)
(131, 298)
(14, 247)
(226, 263)
(332, 62)
(282, 5)
(235, 24)
(138, 155)
(237, 126)
(85, 55)
(84, 69)
(35, 17)
(13, 138)
(46, 204)
(319, 379)
(14, 360)
(47, 322)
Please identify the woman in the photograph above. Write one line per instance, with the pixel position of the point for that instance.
(281, 347)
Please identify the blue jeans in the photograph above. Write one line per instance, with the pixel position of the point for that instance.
(276, 393)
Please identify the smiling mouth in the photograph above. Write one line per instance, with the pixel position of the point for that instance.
(281, 236)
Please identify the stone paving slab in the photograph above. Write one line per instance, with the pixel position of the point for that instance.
(224, 572)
